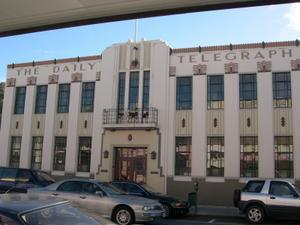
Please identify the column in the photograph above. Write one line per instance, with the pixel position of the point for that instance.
(231, 126)
(265, 125)
(25, 157)
(7, 111)
(72, 139)
(48, 142)
(199, 135)
(295, 82)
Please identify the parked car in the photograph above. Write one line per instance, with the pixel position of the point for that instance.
(20, 209)
(261, 198)
(19, 179)
(171, 205)
(107, 200)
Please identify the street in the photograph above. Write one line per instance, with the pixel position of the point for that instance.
(215, 220)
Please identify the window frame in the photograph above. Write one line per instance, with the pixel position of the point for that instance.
(183, 156)
(62, 148)
(215, 88)
(289, 155)
(82, 142)
(63, 101)
(247, 86)
(41, 99)
(20, 99)
(219, 170)
(11, 162)
(184, 93)
(282, 85)
(133, 97)
(253, 154)
(87, 96)
(38, 140)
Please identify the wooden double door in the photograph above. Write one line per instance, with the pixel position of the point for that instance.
(131, 164)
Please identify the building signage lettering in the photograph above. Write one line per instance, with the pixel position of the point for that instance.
(76, 67)
(233, 55)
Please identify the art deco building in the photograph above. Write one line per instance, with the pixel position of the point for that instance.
(216, 115)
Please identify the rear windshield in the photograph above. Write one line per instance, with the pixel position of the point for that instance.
(254, 186)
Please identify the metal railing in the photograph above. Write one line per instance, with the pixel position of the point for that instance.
(127, 116)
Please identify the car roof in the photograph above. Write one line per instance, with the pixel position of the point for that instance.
(20, 203)
(2, 167)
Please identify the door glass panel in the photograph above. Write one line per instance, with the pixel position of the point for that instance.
(281, 189)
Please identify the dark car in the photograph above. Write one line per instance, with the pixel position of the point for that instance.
(19, 180)
(20, 209)
(171, 205)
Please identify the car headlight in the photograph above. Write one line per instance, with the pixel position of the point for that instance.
(148, 208)
(178, 204)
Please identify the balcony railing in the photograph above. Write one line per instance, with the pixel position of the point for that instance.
(130, 118)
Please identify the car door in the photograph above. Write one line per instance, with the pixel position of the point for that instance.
(283, 199)
(68, 190)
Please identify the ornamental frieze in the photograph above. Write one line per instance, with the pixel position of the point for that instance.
(264, 66)
(200, 69)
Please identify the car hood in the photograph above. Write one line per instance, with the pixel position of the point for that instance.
(134, 199)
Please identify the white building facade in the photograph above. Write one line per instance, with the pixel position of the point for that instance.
(170, 118)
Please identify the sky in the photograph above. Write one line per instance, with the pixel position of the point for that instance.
(245, 25)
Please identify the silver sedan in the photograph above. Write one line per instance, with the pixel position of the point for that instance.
(104, 199)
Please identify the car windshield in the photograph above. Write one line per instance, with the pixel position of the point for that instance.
(149, 189)
(57, 215)
(110, 189)
(41, 176)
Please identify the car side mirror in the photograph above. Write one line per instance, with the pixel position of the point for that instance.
(99, 193)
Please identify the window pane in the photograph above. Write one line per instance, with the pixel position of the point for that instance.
(59, 153)
(146, 87)
(20, 100)
(41, 99)
(121, 92)
(248, 91)
(215, 156)
(133, 91)
(84, 154)
(282, 90)
(183, 153)
(284, 157)
(215, 92)
(15, 151)
(63, 98)
(36, 154)
(249, 156)
(184, 92)
(87, 98)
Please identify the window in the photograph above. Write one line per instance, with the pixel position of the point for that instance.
(20, 100)
(25, 176)
(87, 98)
(15, 150)
(215, 92)
(89, 188)
(4, 220)
(59, 153)
(184, 93)
(183, 154)
(133, 91)
(282, 189)
(248, 91)
(282, 90)
(36, 155)
(84, 154)
(249, 156)
(254, 186)
(284, 164)
(121, 92)
(146, 87)
(215, 156)
(70, 186)
(63, 98)
(41, 99)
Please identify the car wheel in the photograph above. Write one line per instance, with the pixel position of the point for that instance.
(255, 214)
(167, 211)
(123, 216)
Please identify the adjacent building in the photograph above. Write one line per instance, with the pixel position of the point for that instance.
(216, 116)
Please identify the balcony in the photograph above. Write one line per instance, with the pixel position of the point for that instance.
(137, 118)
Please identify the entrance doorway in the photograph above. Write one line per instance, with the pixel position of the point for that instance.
(131, 164)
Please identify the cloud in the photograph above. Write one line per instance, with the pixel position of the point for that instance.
(293, 17)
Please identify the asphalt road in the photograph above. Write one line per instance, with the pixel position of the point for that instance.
(213, 220)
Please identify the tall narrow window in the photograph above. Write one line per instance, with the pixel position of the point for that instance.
(282, 90)
(41, 99)
(215, 92)
(20, 100)
(184, 93)
(84, 154)
(215, 156)
(59, 153)
(121, 92)
(248, 91)
(284, 157)
(249, 156)
(146, 85)
(63, 98)
(183, 154)
(36, 154)
(133, 91)
(15, 150)
(87, 98)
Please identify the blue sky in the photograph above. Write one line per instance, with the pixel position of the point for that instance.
(255, 24)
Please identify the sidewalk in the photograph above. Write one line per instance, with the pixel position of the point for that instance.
(208, 210)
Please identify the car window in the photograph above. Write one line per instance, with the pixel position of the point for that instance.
(132, 188)
(119, 185)
(25, 176)
(8, 174)
(281, 189)
(89, 188)
(6, 220)
(254, 186)
(42, 176)
(70, 186)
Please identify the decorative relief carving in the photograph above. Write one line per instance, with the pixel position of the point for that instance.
(31, 80)
(98, 76)
(172, 71)
(11, 82)
(53, 79)
(264, 66)
(200, 69)
(76, 77)
(295, 64)
(231, 67)
(134, 64)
